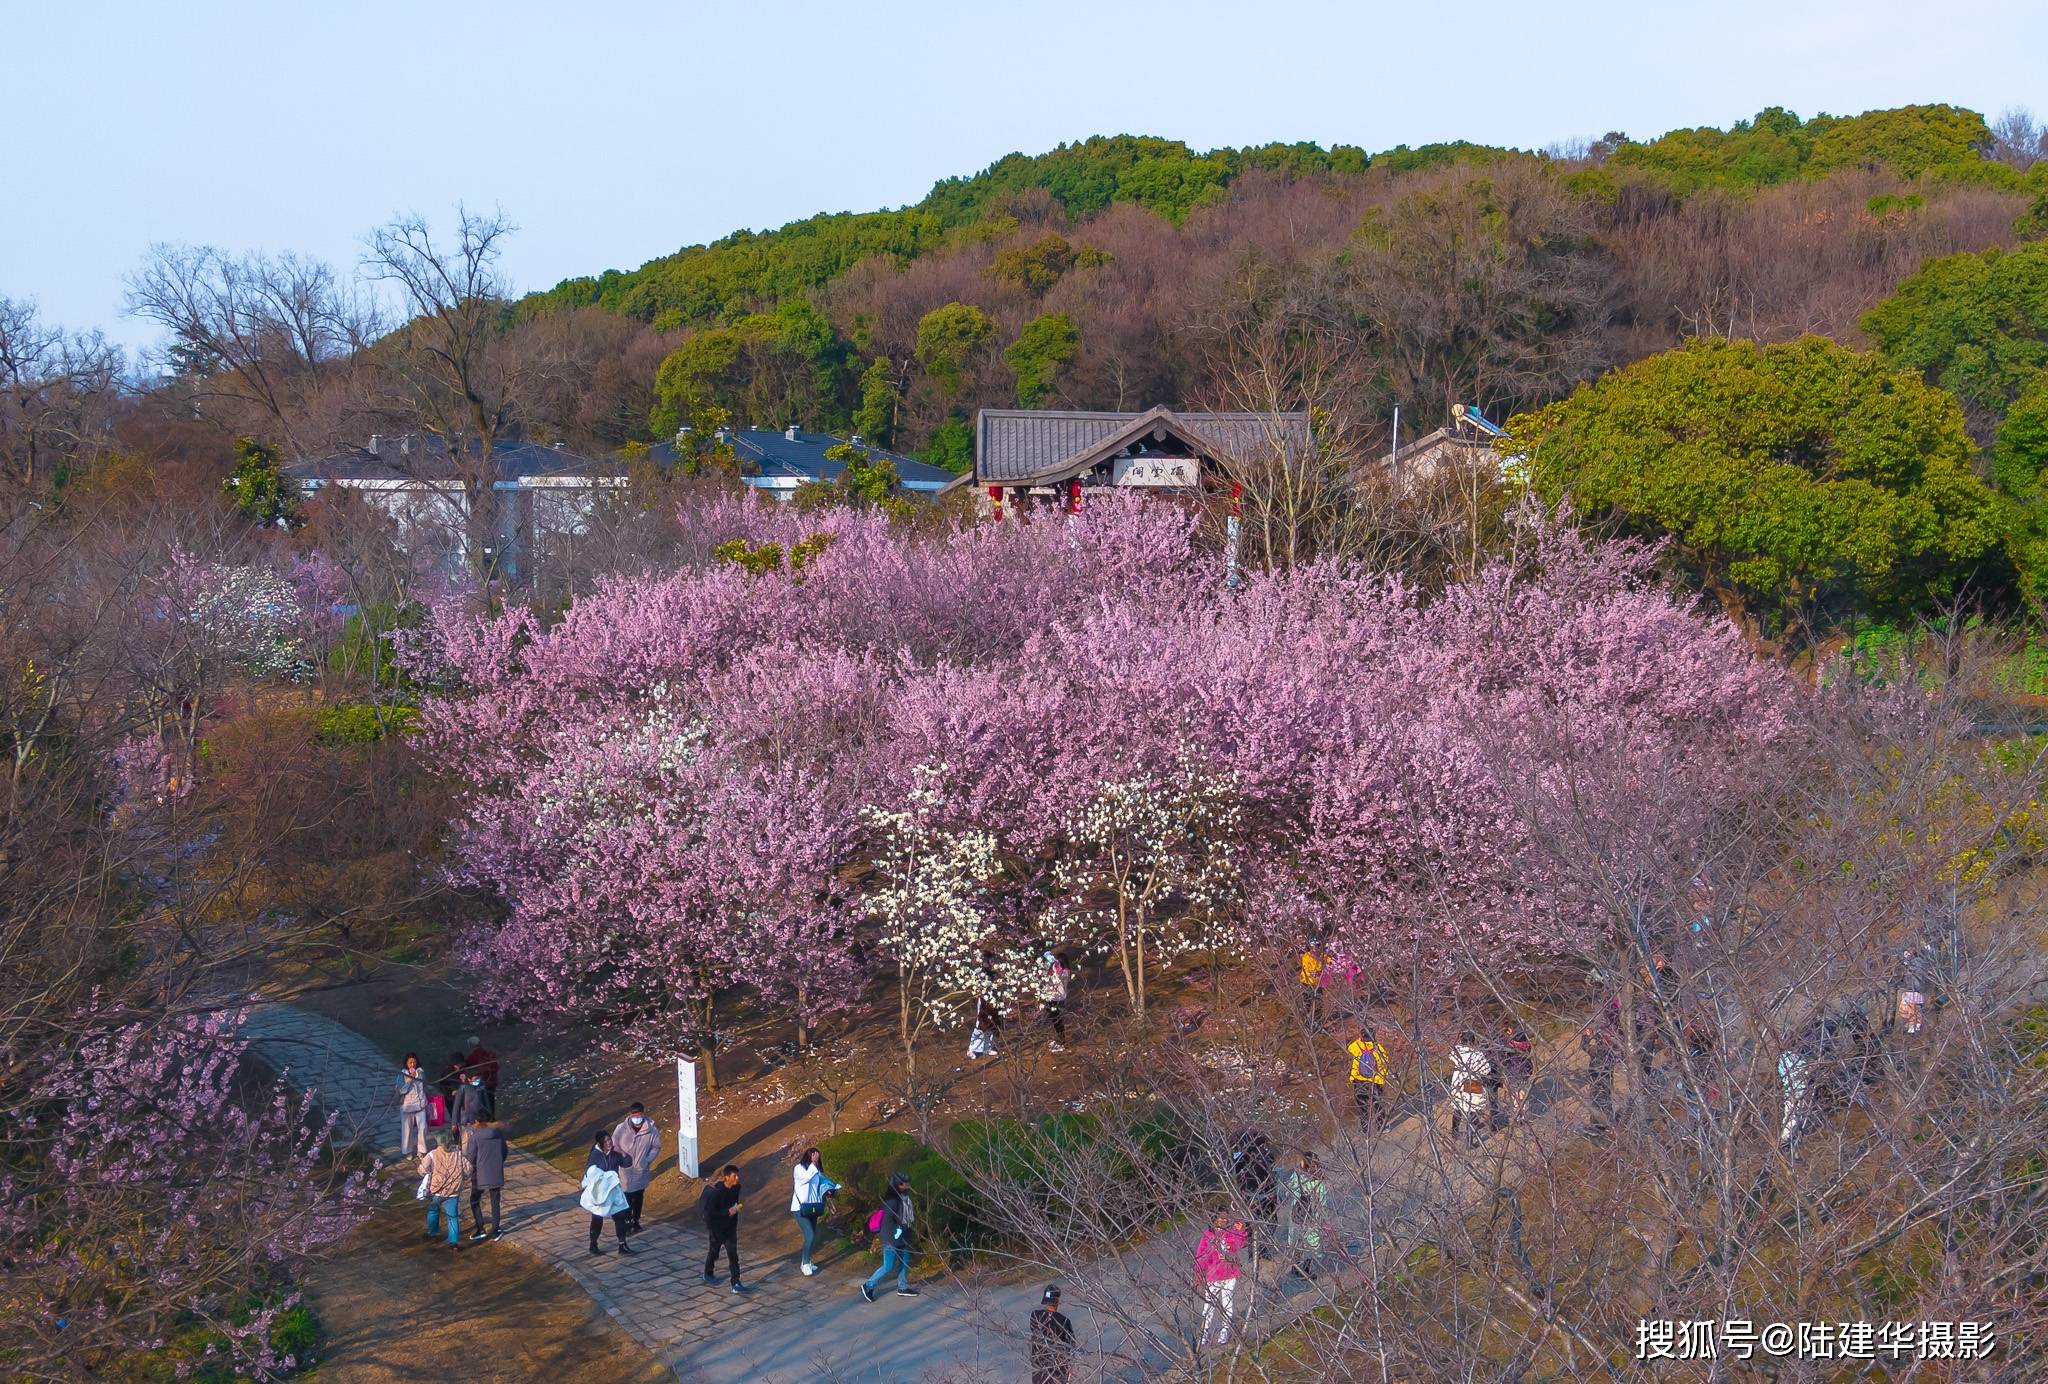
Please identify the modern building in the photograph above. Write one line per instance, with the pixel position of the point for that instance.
(776, 463)
(1469, 443)
(538, 495)
(1027, 455)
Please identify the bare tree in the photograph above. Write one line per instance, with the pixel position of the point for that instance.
(57, 393)
(1802, 1078)
(252, 332)
(1271, 355)
(2017, 139)
(446, 371)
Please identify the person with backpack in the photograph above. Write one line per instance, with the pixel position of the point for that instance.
(807, 1204)
(721, 1206)
(893, 1221)
(1368, 1076)
(1216, 1270)
(602, 1196)
(1471, 1090)
(1052, 1340)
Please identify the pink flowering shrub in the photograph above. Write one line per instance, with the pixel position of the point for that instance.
(166, 1190)
(672, 788)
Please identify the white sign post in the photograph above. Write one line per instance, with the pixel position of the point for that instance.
(686, 1117)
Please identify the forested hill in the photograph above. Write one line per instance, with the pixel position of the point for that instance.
(748, 269)
(1127, 271)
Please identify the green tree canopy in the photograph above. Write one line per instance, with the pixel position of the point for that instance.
(261, 493)
(770, 367)
(1777, 146)
(1034, 267)
(947, 338)
(875, 419)
(1799, 479)
(1974, 324)
(1037, 355)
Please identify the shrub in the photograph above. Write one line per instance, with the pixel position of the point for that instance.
(861, 1161)
(359, 723)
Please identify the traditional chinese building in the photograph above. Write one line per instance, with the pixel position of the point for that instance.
(1058, 456)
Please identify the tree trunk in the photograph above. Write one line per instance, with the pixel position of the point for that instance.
(707, 1050)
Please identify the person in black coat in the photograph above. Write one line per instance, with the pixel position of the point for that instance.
(468, 1105)
(1052, 1340)
(484, 1151)
(721, 1207)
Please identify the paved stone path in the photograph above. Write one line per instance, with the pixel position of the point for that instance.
(787, 1329)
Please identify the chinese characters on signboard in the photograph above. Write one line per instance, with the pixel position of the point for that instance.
(1154, 471)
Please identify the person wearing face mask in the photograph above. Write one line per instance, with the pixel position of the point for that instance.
(637, 1144)
(468, 1106)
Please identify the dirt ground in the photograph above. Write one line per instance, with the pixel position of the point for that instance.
(397, 1310)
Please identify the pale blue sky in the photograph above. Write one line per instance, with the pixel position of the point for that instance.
(613, 132)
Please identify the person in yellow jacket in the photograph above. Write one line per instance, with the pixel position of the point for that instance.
(1368, 1076)
(1312, 977)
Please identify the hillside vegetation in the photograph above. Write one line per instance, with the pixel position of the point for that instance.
(1124, 271)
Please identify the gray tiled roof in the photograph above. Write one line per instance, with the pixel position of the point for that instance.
(772, 454)
(1037, 445)
(427, 459)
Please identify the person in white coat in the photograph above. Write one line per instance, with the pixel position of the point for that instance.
(602, 1196)
(637, 1145)
(1471, 1089)
(807, 1204)
(412, 1107)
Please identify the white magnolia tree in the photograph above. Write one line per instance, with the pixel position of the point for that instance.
(930, 898)
(1150, 870)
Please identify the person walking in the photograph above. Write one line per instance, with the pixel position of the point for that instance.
(720, 1206)
(1216, 1270)
(1052, 998)
(468, 1106)
(899, 1218)
(1471, 1092)
(483, 1149)
(441, 1173)
(602, 1196)
(412, 1108)
(807, 1204)
(1308, 1206)
(1052, 1340)
(637, 1145)
(1368, 1076)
